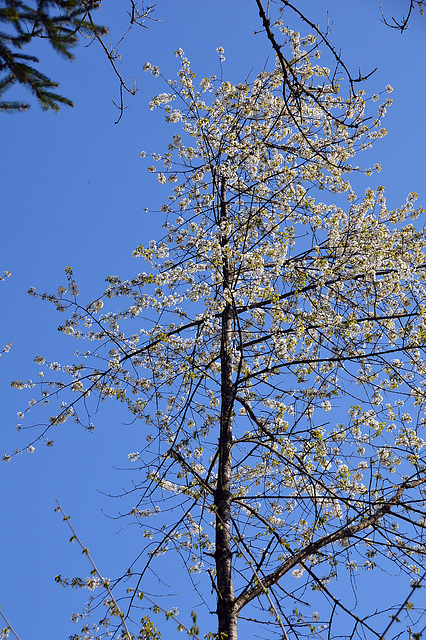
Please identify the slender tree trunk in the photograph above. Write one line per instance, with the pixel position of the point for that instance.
(227, 616)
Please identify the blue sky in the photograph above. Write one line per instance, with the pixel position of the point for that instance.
(73, 190)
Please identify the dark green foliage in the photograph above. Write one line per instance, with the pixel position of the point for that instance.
(58, 21)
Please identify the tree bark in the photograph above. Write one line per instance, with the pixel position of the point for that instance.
(226, 612)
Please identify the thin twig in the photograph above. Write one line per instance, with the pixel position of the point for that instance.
(407, 599)
(103, 581)
(113, 57)
(9, 625)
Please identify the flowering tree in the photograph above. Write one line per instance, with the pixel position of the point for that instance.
(286, 9)
(272, 349)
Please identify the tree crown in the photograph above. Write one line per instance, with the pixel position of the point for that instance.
(275, 296)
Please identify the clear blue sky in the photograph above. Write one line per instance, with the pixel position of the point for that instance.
(73, 189)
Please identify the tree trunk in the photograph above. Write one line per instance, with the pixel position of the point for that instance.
(227, 616)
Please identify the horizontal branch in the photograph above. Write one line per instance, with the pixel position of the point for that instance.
(281, 332)
(311, 361)
(347, 532)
